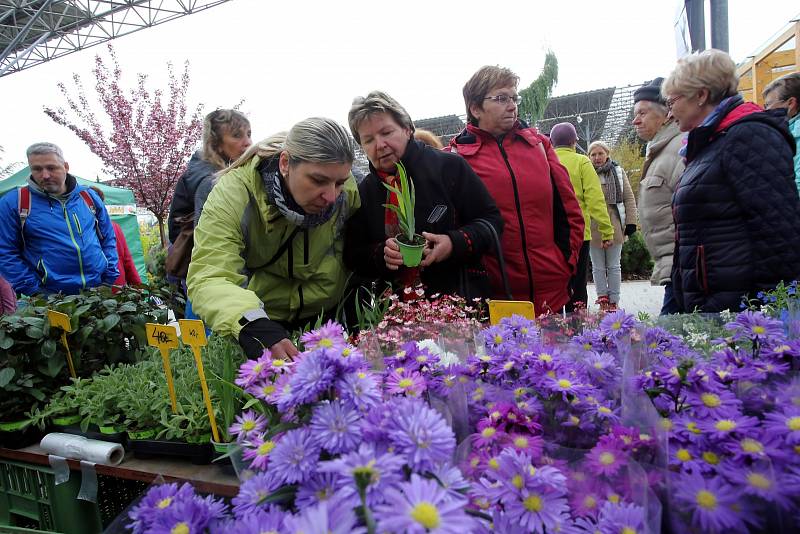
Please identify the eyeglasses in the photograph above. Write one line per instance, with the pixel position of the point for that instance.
(773, 103)
(505, 99)
(671, 101)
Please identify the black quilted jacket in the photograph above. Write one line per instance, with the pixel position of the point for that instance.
(736, 210)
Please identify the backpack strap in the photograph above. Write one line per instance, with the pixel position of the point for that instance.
(24, 209)
(87, 198)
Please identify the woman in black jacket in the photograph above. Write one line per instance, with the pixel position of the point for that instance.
(450, 202)
(736, 208)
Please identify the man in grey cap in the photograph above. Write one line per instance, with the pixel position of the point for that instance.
(662, 170)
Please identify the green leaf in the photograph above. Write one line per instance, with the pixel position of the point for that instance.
(6, 342)
(6, 375)
(48, 348)
(109, 322)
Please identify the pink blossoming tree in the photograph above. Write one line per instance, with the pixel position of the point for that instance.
(145, 138)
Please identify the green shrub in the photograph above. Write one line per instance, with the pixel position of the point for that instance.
(636, 260)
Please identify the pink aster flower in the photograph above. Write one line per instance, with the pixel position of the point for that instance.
(402, 382)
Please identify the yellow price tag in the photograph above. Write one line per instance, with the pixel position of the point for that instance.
(193, 332)
(161, 336)
(506, 308)
(59, 320)
(164, 337)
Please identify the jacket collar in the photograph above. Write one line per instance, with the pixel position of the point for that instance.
(469, 141)
(71, 183)
(663, 137)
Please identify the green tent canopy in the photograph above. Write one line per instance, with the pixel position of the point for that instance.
(120, 203)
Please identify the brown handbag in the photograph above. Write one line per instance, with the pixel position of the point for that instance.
(180, 253)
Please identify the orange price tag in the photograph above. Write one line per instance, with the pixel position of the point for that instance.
(506, 308)
(59, 320)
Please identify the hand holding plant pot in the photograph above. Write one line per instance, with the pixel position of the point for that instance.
(410, 244)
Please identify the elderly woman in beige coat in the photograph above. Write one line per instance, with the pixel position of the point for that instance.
(621, 205)
(661, 173)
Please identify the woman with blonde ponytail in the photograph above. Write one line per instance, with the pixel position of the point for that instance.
(268, 248)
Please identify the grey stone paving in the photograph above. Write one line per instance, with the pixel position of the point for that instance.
(636, 296)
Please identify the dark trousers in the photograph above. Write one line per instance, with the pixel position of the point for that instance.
(578, 282)
(670, 304)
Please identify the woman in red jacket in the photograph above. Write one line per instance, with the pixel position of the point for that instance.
(543, 220)
(128, 275)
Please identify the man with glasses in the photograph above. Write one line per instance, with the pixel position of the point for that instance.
(784, 93)
(661, 172)
(542, 218)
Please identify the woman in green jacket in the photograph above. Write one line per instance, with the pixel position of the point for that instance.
(267, 255)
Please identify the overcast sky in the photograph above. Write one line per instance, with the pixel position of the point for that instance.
(291, 60)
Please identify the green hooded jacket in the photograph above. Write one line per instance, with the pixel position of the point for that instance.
(237, 268)
(587, 188)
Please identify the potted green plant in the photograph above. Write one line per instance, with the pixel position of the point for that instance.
(411, 244)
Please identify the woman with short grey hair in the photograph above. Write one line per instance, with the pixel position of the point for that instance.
(736, 209)
(454, 212)
(267, 257)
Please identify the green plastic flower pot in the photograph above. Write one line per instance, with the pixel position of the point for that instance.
(111, 429)
(14, 426)
(66, 420)
(411, 252)
(142, 434)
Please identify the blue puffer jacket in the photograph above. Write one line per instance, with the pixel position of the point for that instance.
(62, 251)
(736, 210)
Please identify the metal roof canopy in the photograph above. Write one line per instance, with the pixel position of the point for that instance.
(35, 31)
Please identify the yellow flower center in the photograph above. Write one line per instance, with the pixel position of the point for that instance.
(757, 480)
(551, 373)
(544, 357)
(266, 448)
(533, 503)
(706, 500)
(628, 530)
(589, 502)
(603, 409)
(564, 383)
(325, 343)
(691, 426)
(519, 392)
(426, 515)
(498, 339)
(180, 528)
(268, 390)
(665, 423)
(257, 368)
(278, 362)
(494, 464)
(711, 458)
(759, 330)
(362, 374)
(517, 481)
(752, 445)
(616, 325)
(613, 498)
(163, 503)
(422, 358)
(710, 400)
(793, 423)
(248, 425)
(521, 442)
(726, 425)
(400, 370)
(508, 366)
(474, 462)
(405, 383)
(607, 458)
(347, 352)
(488, 432)
(683, 455)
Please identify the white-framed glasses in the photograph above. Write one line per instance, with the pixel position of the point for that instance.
(505, 99)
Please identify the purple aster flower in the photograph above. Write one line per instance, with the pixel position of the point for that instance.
(252, 494)
(488, 434)
(190, 516)
(321, 487)
(617, 324)
(421, 435)
(257, 451)
(755, 326)
(254, 370)
(422, 506)
(324, 518)
(312, 376)
(295, 456)
(756, 447)
(404, 382)
(621, 518)
(589, 340)
(713, 404)
(258, 521)
(359, 390)
(785, 423)
(709, 501)
(606, 459)
(248, 425)
(537, 510)
(335, 427)
(331, 335)
(731, 426)
(565, 384)
(498, 339)
(762, 481)
(450, 478)
(156, 500)
(376, 472)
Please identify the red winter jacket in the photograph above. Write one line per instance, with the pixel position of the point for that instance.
(544, 226)
(128, 275)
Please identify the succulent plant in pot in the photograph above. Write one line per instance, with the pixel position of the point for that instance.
(411, 243)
